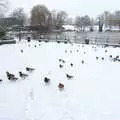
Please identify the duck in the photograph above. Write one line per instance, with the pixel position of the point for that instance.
(29, 69)
(71, 64)
(23, 75)
(46, 80)
(61, 86)
(69, 76)
(60, 66)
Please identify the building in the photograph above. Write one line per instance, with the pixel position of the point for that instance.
(9, 21)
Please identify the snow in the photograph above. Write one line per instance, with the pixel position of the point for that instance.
(112, 28)
(69, 27)
(93, 93)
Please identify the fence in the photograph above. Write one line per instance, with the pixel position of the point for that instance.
(111, 38)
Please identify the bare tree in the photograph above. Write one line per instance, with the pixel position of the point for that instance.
(83, 22)
(54, 18)
(20, 15)
(78, 22)
(107, 17)
(116, 16)
(100, 20)
(4, 5)
(61, 19)
(111, 19)
(69, 21)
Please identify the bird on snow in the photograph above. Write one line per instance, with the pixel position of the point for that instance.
(71, 64)
(60, 66)
(82, 61)
(46, 80)
(110, 56)
(61, 86)
(63, 61)
(23, 75)
(106, 51)
(69, 76)
(102, 58)
(117, 57)
(29, 69)
(11, 76)
(96, 58)
(21, 51)
(60, 60)
(1, 80)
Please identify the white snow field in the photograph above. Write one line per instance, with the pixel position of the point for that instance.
(93, 93)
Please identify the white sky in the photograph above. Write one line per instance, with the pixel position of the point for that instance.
(72, 7)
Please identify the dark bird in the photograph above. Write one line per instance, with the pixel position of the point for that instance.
(82, 61)
(23, 75)
(106, 51)
(61, 86)
(21, 51)
(60, 66)
(11, 76)
(118, 60)
(60, 60)
(65, 42)
(58, 41)
(69, 76)
(46, 80)
(63, 61)
(102, 58)
(71, 65)
(110, 56)
(29, 69)
(35, 46)
(97, 58)
(114, 59)
(1, 80)
(117, 57)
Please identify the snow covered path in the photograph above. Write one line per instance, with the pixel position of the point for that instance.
(93, 93)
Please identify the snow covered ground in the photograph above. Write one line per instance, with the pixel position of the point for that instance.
(93, 93)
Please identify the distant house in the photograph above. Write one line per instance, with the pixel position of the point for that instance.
(9, 21)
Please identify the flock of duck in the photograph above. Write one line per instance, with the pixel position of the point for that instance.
(12, 77)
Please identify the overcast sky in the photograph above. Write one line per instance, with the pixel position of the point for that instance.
(72, 7)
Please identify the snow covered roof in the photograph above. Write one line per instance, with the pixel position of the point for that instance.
(69, 27)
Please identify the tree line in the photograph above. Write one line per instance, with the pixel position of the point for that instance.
(41, 16)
